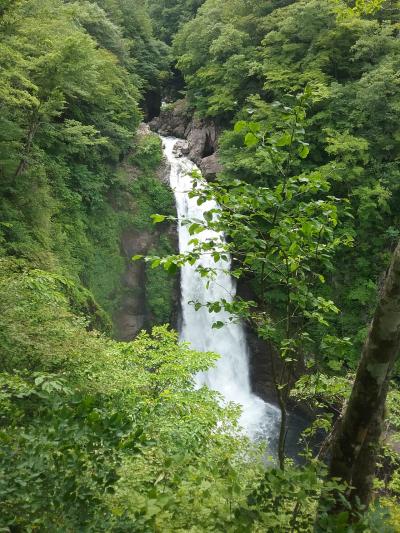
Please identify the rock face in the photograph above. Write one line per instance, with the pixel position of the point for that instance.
(181, 148)
(133, 313)
(202, 135)
(131, 316)
(173, 120)
(210, 166)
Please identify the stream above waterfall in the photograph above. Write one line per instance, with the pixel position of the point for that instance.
(231, 376)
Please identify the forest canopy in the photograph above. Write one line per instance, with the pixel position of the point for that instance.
(303, 97)
(236, 56)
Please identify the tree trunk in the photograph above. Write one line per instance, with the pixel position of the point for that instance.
(281, 388)
(365, 465)
(33, 127)
(354, 450)
(282, 429)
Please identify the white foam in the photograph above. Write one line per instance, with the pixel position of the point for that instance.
(231, 376)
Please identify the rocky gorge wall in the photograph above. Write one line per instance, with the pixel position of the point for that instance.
(175, 120)
(148, 296)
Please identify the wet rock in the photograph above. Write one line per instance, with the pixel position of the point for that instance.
(261, 373)
(210, 166)
(163, 171)
(181, 148)
(134, 242)
(130, 318)
(173, 120)
(143, 129)
(201, 135)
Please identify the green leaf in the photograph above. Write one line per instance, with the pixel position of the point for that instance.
(303, 151)
(195, 228)
(335, 365)
(240, 126)
(172, 268)
(158, 218)
(250, 140)
(285, 140)
(254, 127)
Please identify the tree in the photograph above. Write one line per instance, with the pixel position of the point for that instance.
(169, 15)
(74, 74)
(236, 52)
(356, 446)
(97, 435)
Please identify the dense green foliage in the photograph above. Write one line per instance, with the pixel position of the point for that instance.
(160, 285)
(284, 232)
(235, 55)
(290, 197)
(169, 15)
(71, 84)
(97, 435)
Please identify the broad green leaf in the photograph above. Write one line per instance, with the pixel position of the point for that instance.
(250, 140)
(158, 218)
(240, 126)
(303, 151)
(284, 140)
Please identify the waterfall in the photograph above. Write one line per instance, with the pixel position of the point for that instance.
(231, 375)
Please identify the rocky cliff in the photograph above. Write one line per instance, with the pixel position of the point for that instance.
(148, 296)
(201, 135)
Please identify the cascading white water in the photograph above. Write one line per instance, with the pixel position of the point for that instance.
(231, 375)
